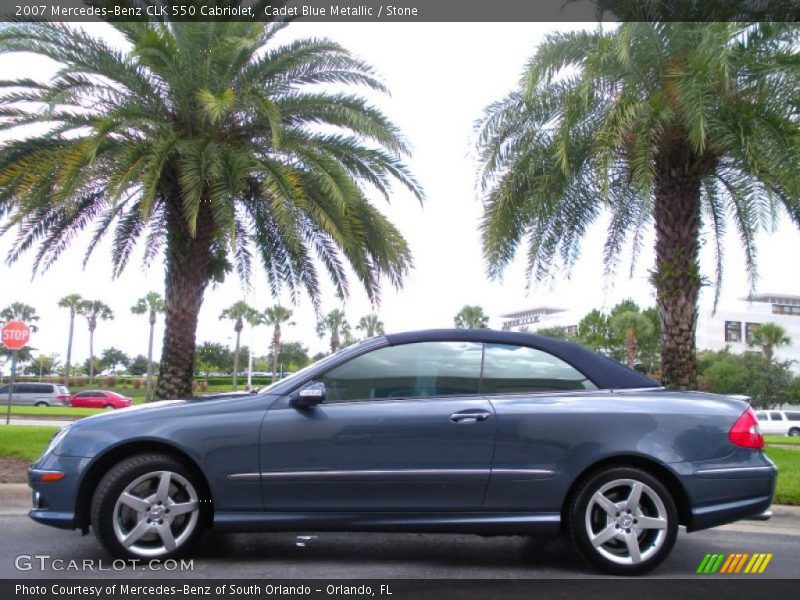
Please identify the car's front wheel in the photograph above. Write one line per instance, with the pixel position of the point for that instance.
(623, 520)
(794, 432)
(147, 506)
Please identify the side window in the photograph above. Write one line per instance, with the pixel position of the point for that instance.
(42, 388)
(761, 416)
(509, 369)
(408, 371)
(25, 388)
(4, 389)
(84, 395)
(793, 416)
(776, 416)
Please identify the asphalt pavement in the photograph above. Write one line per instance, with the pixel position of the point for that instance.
(370, 555)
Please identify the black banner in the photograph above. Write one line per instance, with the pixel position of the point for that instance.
(401, 589)
(400, 10)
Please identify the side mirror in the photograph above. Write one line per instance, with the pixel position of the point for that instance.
(311, 394)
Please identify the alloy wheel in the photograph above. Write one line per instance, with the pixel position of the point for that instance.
(156, 513)
(626, 521)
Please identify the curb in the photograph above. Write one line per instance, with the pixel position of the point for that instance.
(15, 498)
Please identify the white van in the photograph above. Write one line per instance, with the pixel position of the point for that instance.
(779, 422)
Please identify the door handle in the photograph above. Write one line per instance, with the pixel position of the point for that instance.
(470, 417)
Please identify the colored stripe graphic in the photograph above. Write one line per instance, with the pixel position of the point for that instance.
(767, 558)
(730, 564)
(703, 563)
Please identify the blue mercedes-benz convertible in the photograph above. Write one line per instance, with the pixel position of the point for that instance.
(436, 431)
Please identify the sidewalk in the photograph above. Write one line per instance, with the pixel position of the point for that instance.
(15, 499)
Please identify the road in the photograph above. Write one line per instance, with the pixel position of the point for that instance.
(370, 555)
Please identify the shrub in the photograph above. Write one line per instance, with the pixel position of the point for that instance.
(137, 383)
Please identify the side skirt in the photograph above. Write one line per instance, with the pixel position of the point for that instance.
(417, 522)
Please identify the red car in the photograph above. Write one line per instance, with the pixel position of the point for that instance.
(99, 399)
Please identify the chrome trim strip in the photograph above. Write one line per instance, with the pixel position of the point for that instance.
(639, 389)
(523, 473)
(433, 473)
(733, 470)
(244, 477)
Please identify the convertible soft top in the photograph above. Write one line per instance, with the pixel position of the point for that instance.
(605, 372)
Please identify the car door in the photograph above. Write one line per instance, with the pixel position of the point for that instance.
(402, 428)
(778, 425)
(24, 393)
(531, 391)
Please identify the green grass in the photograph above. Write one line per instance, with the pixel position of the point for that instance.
(788, 461)
(782, 439)
(55, 412)
(23, 441)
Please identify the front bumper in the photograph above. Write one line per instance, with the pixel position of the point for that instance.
(53, 502)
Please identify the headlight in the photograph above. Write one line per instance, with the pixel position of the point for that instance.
(56, 439)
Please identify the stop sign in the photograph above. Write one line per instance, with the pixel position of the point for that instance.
(15, 335)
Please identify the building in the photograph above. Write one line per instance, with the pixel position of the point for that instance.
(733, 325)
(729, 326)
(539, 317)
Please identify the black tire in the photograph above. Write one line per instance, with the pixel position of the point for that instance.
(794, 432)
(615, 555)
(41, 404)
(108, 407)
(112, 519)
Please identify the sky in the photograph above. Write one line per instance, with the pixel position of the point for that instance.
(441, 77)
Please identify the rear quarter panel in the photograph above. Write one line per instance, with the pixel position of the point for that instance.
(569, 433)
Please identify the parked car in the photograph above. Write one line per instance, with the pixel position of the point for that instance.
(484, 432)
(99, 399)
(779, 422)
(36, 394)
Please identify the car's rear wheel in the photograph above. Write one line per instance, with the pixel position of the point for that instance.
(41, 404)
(108, 407)
(147, 506)
(794, 432)
(623, 520)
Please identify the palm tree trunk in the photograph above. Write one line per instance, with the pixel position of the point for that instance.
(236, 359)
(188, 268)
(276, 348)
(69, 347)
(149, 381)
(677, 276)
(631, 343)
(91, 355)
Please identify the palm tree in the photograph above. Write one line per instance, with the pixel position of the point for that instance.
(72, 302)
(675, 124)
(336, 324)
(19, 311)
(769, 336)
(371, 325)
(209, 140)
(275, 315)
(471, 317)
(632, 326)
(237, 313)
(93, 310)
(151, 304)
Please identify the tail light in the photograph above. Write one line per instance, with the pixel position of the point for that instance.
(63, 398)
(745, 432)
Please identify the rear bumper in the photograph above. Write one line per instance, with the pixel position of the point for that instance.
(725, 493)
